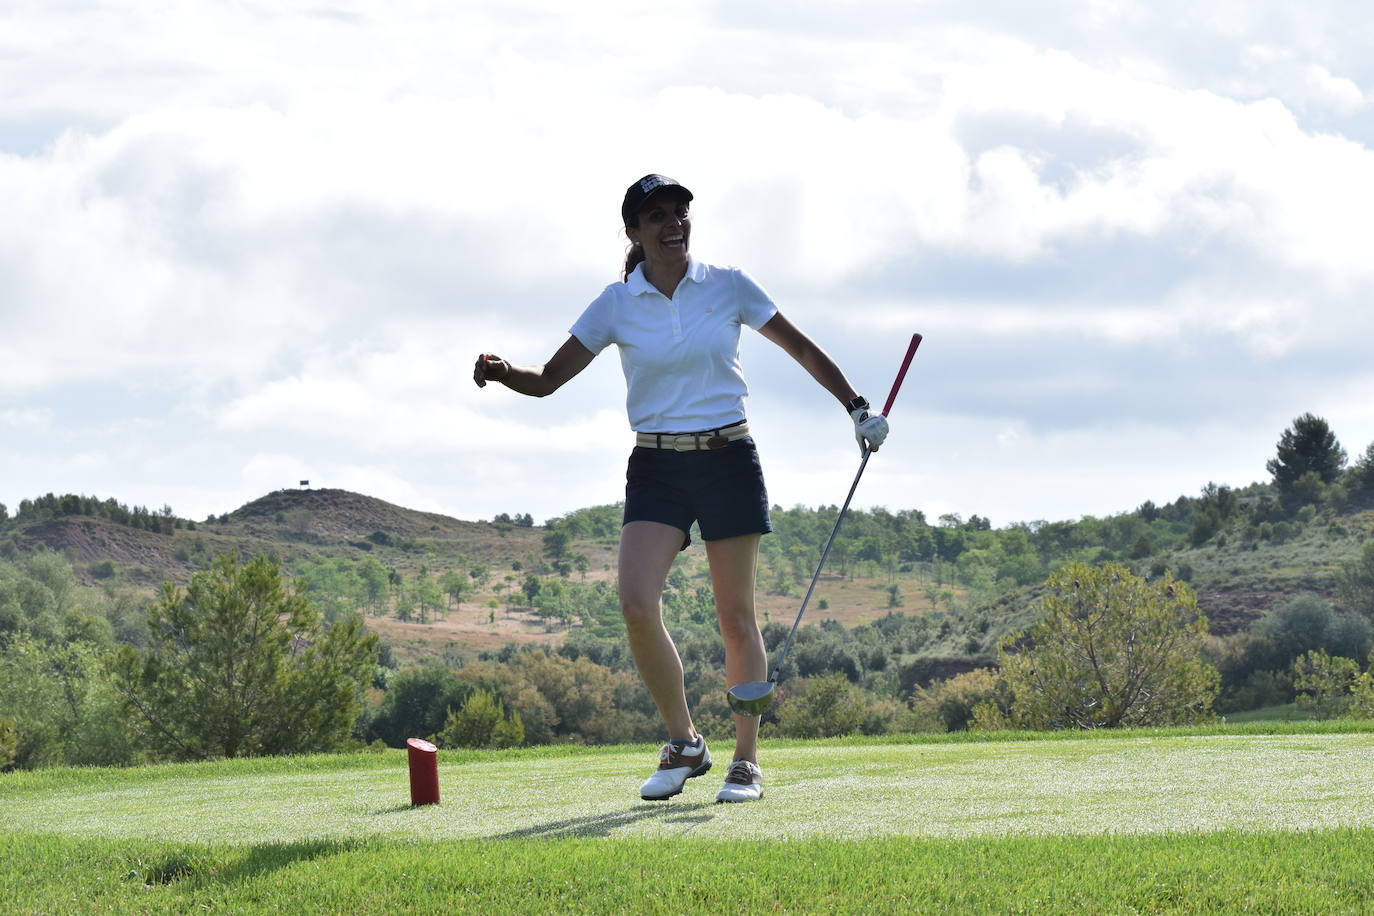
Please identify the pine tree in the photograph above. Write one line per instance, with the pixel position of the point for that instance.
(1307, 447)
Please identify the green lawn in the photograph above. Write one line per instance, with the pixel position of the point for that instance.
(1225, 819)
(1287, 712)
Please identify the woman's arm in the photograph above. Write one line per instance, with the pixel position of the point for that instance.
(811, 357)
(869, 429)
(535, 381)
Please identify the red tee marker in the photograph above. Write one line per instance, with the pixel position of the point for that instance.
(424, 771)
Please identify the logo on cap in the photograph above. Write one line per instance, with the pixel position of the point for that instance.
(650, 182)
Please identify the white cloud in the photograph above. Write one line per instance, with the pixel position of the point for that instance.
(299, 225)
(1337, 91)
(30, 419)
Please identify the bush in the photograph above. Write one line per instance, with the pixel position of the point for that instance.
(1113, 650)
(9, 741)
(1356, 582)
(827, 706)
(1306, 622)
(482, 722)
(1324, 683)
(1260, 689)
(416, 704)
(953, 701)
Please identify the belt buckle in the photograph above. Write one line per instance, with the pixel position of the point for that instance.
(691, 445)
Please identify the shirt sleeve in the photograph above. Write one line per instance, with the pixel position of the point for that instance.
(595, 328)
(755, 306)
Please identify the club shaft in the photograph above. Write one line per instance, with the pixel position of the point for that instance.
(819, 566)
(891, 397)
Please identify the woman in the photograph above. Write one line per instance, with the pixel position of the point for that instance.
(676, 322)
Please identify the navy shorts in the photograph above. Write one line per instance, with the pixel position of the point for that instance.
(720, 489)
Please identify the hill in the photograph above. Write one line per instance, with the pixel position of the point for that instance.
(980, 582)
(295, 525)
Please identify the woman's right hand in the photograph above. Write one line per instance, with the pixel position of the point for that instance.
(489, 368)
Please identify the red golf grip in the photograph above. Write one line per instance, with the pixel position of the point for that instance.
(901, 373)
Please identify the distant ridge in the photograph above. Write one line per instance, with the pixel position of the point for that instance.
(333, 514)
(291, 524)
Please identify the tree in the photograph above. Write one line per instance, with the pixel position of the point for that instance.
(1303, 623)
(239, 664)
(416, 703)
(531, 587)
(482, 722)
(1308, 446)
(375, 583)
(556, 543)
(60, 701)
(426, 594)
(1359, 481)
(1112, 650)
(457, 586)
(1355, 582)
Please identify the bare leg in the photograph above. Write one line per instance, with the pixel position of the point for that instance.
(733, 563)
(647, 550)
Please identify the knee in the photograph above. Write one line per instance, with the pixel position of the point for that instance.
(737, 625)
(640, 611)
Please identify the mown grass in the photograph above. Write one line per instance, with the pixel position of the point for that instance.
(1268, 817)
(1286, 712)
(1322, 872)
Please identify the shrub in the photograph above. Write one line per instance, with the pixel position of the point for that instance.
(9, 741)
(1113, 650)
(482, 722)
(826, 707)
(1324, 683)
(1306, 622)
(953, 701)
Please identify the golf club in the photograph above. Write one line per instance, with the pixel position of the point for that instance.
(754, 697)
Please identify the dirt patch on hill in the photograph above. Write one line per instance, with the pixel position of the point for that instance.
(1230, 612)
(142, 556)
(472, 631)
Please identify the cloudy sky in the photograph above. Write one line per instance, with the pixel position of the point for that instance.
(248, 243)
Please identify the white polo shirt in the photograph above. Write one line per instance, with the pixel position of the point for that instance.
(680, 355)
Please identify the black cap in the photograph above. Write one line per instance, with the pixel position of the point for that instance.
(639, 193)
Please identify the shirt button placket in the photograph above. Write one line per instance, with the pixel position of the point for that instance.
(677, 320)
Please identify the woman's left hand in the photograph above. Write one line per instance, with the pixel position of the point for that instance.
(869, 429)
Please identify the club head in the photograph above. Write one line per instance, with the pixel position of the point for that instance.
(752, 698)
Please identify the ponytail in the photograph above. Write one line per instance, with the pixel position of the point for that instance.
(632, 259)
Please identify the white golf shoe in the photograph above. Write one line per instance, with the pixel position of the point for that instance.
(678, 761)
(743, 782)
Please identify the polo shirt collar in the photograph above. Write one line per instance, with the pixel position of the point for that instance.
(639, 285)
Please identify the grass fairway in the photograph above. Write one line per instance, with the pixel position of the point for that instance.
(1223, 820)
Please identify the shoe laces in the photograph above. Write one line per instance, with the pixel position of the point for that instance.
(672, 752)
(742, 772)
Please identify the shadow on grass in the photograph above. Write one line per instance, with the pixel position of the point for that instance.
(200, 868)
(269, 857)
(601, 825)
(394, 809)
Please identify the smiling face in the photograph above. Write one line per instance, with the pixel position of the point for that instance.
(664, 231)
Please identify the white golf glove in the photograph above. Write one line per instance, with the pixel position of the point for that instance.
(870, 429)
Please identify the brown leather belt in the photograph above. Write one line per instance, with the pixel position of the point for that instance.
(693, 442)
